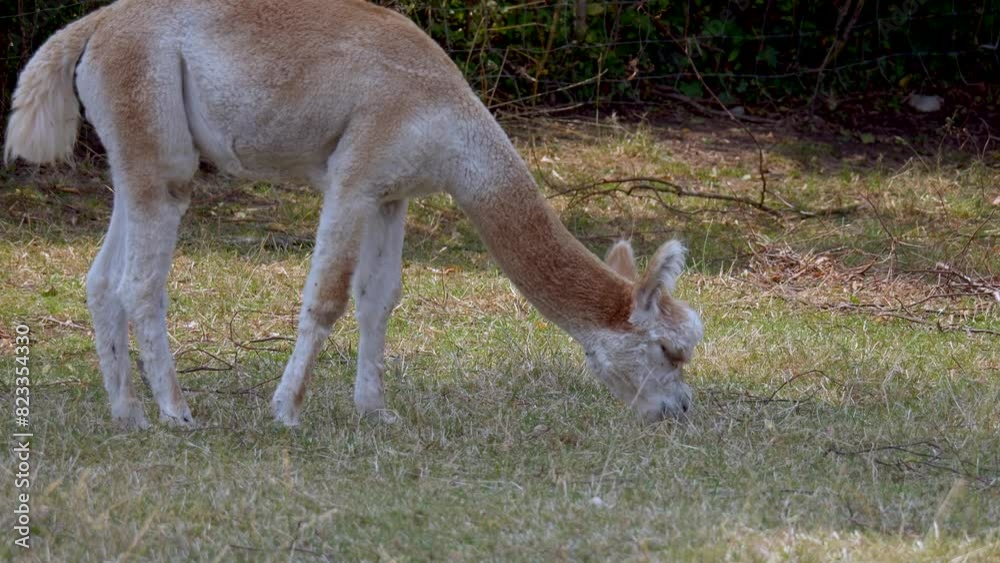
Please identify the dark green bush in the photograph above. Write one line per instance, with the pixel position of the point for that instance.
(584, 50)
(744, 49)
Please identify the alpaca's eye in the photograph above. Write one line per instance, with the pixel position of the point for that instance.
(672, 359)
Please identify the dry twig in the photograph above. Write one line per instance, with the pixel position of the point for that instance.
(661, 186)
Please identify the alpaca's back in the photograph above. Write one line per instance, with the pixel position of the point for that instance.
(270, 87)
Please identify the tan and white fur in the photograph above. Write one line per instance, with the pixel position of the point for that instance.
(360, 103)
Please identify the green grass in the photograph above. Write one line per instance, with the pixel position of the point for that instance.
(819, 432)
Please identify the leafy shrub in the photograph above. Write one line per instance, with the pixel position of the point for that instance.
(555, 51)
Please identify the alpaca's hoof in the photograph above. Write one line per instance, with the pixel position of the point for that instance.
(285, 411)
(180, 417)
(383, 416)
(129, 416)
(370, 404)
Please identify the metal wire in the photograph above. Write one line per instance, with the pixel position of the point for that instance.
(500, 57)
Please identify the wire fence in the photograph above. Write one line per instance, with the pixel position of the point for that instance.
(586, 51)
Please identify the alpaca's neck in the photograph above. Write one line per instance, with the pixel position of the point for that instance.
(559, 276)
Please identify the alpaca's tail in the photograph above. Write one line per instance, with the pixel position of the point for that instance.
(46, 114)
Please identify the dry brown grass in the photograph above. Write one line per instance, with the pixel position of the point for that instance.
(824, 429)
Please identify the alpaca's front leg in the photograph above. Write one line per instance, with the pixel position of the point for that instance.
(377, 287)
(325, 296)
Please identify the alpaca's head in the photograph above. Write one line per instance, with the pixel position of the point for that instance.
(643, 364)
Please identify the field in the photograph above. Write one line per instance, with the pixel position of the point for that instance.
(846, 393)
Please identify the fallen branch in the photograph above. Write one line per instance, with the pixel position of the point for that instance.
(794, 377)
(932, 459)
(251, 390)
(699, 108)
(227, 366)
(660, 185)
(883, 312)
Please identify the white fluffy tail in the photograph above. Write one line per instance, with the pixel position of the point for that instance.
(46, 114)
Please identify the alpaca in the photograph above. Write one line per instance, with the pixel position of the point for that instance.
(357, 101)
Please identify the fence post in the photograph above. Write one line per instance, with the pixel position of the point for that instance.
(580, 21)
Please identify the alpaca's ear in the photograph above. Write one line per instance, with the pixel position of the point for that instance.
(622, 260)
(663, 271)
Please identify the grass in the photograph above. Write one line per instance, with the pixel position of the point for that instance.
(826, 426)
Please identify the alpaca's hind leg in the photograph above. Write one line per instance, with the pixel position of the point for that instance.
(133, 97)
(111, 323)
(326, 293)
(149, 250)
(377, 287)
